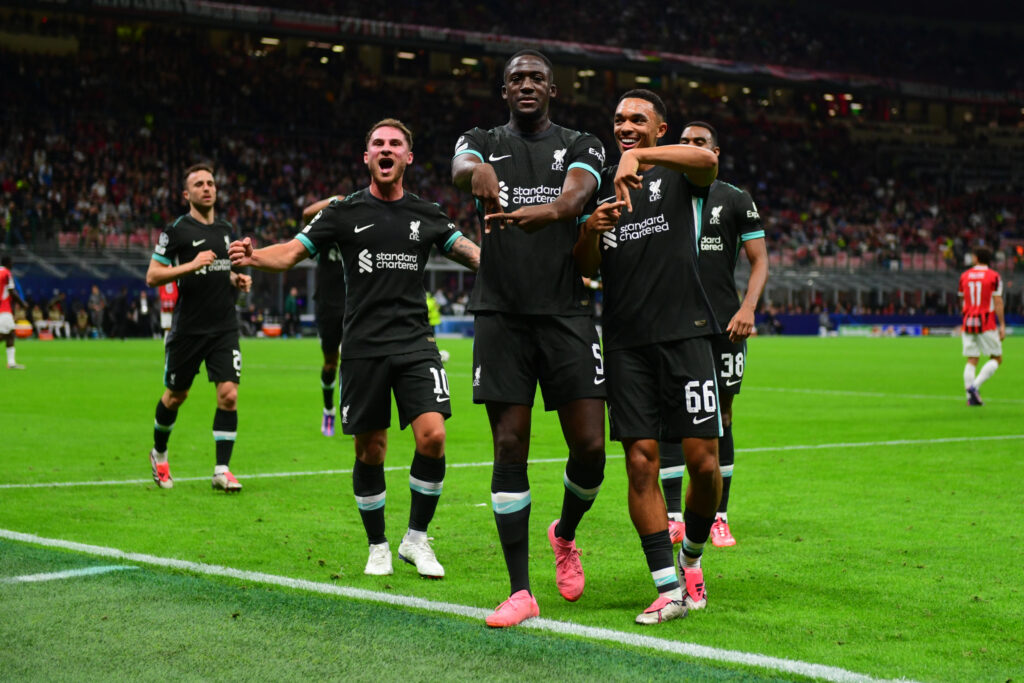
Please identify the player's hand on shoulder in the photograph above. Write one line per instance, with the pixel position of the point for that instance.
(240, 252)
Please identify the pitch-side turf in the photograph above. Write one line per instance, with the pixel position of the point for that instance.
(878, 522)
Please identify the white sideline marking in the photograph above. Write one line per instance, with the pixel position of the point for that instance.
(67, 574)
(760, 449)
(874, 394)
(829, 673)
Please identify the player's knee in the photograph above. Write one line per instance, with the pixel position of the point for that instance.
(372, 450)
(702, 461)
(589, 449)
(510, 448)
(642, 466)
(174, 399)
(227, 399)
(431, 442)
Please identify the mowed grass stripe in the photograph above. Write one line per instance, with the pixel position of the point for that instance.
(658, 645)
(539, 461)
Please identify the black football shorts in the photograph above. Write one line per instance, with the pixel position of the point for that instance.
(513, 353)
(417, 379)
(183, 355)
(664, 391)
(329, 324)
(730, 360)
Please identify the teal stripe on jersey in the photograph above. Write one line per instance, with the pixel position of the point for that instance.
(505, 503)
(475, 153)
(700, 221)
(224, 436)
(451, 241)
(587, 167)
(579, 491)
(306, 243)
(582, 219)
(752, 235)
(178, 220)
(162, 259)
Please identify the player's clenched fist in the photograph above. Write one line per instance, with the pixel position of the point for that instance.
(240, 252)
(203, 259)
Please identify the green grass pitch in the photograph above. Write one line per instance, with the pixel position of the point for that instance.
(878, 522)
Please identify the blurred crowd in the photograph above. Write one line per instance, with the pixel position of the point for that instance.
(92, 146)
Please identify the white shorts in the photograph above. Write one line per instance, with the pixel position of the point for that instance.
(984, 344)
(6, 323)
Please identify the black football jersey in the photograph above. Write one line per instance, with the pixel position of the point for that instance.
(652, 291)
(728, 219)
(206, 297)
(531, 273)
(384, 249)
(330, 280)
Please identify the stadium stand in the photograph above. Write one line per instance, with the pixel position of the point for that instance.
(105, 110)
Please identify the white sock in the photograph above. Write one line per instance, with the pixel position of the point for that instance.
(10, 355)
(220, 469)
(674, 594)
(968, 376)
(329, 412)
(675, 516)
(160, 458)
(987, 370)
(724, 516)
(413, 536)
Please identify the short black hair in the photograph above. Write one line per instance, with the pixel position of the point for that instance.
(5, 261)
(983, 254)
(704, 124)
(529, 53)
(202, 166)
(650, 96)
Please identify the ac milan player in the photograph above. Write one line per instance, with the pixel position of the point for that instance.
(984, 326)
(8, 292)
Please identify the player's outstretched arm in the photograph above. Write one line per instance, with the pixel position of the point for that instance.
(700, 166)
(465, 252)
(160, 274)
(578, 187)
(275, 258)
(586, 251)
(316, 207)
(742, 324)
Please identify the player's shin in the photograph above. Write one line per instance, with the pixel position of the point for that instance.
(162, 426)
(368, 485)
(225, 430)
(672, 471)
(510, 499)
(726, 458)
(426, 481)
(582, 483)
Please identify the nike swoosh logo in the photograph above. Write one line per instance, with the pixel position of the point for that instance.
(606, 200)
(599, 380)
(703, 419)
(441, 400)
(491, 157)
(732, 382)
(365, 227)
(196, 243)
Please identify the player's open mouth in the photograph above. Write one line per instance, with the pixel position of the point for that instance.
(386, 164)
(629, 142)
